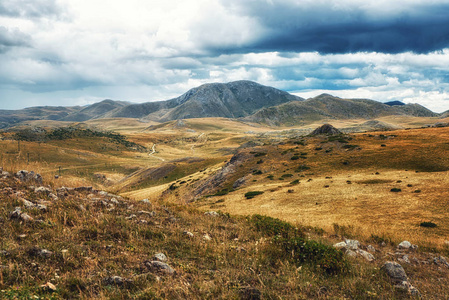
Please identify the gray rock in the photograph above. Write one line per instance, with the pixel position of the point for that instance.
(42, 190)
(159, 267)
(407, 287)
(53, 197)
(26, 217)
(366, 255)
(207, 237)
(26, 176)
(28, 204)
(40, 252)
(16, 213)
(405, 245)
(42, 207)
(441, 261)
(351, 253)
(131, 217)
(5, 253)
(188, 233)
(115, 201)
(352, 244)
(211, 213)
(340, 245)
(116, 280)
(160, 257)
(395, 271)
(370, 248)
(148, 213)
(146, 201)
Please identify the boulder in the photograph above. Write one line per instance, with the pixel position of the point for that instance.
(160, 257)
(395, 271)
(159, 267)
(352, 244)
(211, 213)
(366, 255)
(405, 245)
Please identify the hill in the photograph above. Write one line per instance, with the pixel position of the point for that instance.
(95, 111)
(328, 107)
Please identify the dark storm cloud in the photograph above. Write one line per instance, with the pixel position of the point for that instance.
(12, 38)
(327, 28)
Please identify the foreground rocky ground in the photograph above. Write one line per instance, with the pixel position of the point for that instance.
(70, 243)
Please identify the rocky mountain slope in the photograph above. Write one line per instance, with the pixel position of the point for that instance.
(240, 99)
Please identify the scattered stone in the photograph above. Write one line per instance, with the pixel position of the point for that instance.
(188, 233)
(40, 252)
(42, 190)
(115, 201)
(146, 201)
(116, 280)
(28, 204)
(159, 267)
(407, 287)
(366, 255)
(211, 213)
(160, 257)
(49, 286)
(26, 217)
(340, 245)
(250, 293)
(351, 253)
(207, 237)
(395, 271)
(131, 217)
(405, 245)
(404, 259)
(370, 248)
(41, 207)
(5, 253)
(352, 244)
(53, 197)
(26, 176)
(148, 213)
(441, 261)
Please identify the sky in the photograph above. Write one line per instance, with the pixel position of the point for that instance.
(78, 52)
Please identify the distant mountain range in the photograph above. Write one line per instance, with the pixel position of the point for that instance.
(244, 100)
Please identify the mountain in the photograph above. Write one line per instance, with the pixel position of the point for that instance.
(229, 100)
(94, 111)
(329, 107)
(244, 100)
(394, 103)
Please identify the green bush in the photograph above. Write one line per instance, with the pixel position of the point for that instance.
(295, 182)
(274, 227)
(302, 168)
(326, 257)
(252, 194)
(395, 190)
(428, 224)
(294, 157)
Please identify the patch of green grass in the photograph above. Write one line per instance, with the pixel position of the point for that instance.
(274, 227)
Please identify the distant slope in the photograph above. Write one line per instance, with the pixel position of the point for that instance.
(95, 111)
(229, 100)
(329, 107)
(11, 117)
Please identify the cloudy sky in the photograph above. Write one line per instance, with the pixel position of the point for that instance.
(76, 52)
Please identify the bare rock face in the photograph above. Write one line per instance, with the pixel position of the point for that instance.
(327, 129)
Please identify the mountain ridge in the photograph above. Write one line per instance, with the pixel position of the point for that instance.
(246, 100)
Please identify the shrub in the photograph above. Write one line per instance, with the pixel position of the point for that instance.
(395, 190)
(294, 157)
(274, 227)
(428, 224)
(257, 172)
(287, 175)
(302, 168)
(250, 195)
(270, 177)
(295, 182)
(300, 250)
